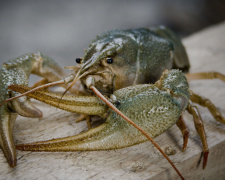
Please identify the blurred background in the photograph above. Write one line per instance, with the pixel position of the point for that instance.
(63, 29)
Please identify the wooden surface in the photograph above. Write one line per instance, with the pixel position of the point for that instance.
(206, 51)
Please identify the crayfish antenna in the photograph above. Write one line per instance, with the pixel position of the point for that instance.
(136, 126)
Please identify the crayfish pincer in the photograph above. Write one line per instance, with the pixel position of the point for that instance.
(17, 71)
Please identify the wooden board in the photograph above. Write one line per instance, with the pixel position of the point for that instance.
(206, 51)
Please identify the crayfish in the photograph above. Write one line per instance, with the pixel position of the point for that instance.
(130, 68)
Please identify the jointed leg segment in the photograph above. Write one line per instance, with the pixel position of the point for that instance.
(200, 130)
(183, 127)
(85, 117)
(205, 75)
(207, 103)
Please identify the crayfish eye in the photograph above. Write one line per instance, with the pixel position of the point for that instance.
(78, 60)
(109, 60)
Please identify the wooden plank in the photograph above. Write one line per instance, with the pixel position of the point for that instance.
(206, 51)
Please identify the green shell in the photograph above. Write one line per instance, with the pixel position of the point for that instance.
(139, 55)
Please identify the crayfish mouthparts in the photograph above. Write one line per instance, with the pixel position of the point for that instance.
(90, 81)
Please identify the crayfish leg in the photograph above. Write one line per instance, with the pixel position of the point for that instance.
(183, 128)
(205, 75)
(207, 103)
(199, 126)
(83, 117)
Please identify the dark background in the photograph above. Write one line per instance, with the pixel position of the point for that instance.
(62, 29)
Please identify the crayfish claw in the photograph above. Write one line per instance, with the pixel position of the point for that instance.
(24, 107)
(6, 136)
